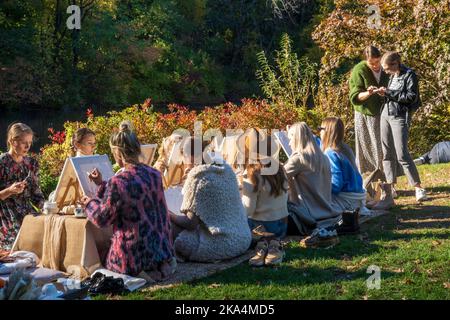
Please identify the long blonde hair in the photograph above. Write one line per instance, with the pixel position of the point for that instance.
(15, 131)
(304, 143)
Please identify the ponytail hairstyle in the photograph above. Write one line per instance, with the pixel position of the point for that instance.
(78, 137)
(126, 142)
(15, 131)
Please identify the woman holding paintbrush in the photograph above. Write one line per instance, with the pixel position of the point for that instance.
(19, 188)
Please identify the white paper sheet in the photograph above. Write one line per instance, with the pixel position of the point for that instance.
(283, 139)
(174, 199)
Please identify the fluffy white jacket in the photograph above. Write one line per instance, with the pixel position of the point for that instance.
(211, 192)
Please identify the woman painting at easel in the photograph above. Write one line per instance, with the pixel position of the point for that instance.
(19, 189)
(83, 143)
(133, 203)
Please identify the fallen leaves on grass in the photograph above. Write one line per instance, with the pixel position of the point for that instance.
(436, 243)
(358, 265)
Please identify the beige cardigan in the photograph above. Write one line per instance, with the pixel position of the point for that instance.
(261, 205)
(312, 189)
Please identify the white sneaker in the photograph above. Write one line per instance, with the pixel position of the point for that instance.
(421, 194)
(419, 161)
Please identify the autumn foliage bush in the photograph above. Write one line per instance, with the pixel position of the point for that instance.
(152, 127)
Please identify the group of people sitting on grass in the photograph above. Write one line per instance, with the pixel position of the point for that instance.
(228, 206)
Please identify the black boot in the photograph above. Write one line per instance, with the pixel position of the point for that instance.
(349, 223)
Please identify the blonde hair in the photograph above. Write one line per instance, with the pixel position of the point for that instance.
(15, 131)
(126, 142)
(304, 143)
(334, 133)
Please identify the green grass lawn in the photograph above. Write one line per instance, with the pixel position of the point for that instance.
(411, 246)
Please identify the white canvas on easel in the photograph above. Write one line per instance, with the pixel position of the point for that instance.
(283, 139)
(174, 199)
(147, 153)
(84, 165)
(74, 182)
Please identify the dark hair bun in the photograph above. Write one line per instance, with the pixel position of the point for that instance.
(125, 126)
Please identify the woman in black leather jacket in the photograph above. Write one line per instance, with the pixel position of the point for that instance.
(402, 98)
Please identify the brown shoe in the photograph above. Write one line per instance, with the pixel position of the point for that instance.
(275, 254)
(260, 254)
(320, 238)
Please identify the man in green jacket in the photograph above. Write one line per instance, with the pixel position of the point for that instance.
(365, 78)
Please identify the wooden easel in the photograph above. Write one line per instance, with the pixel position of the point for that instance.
(171, 175)
(73, 183)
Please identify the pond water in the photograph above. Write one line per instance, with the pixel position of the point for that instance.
(40, 120)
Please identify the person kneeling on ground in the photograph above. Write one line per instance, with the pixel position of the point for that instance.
(213, 225)
(133, 203)
(264, 195)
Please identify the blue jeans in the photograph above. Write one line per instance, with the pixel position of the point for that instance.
(277, 227)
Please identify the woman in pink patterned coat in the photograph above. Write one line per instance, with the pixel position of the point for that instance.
(133, 203)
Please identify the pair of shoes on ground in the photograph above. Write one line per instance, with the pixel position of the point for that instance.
(321, 238)
(267, 253)
(388, 194)
(102, 284)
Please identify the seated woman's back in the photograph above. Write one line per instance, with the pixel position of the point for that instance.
(132, 202)
(263, 204)
(344, 175)
(211, 192)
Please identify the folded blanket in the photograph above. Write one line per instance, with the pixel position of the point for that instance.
(23, 260)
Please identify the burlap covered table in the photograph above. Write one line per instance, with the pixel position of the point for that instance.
(64, 243)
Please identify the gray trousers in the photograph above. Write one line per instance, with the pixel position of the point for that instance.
(394, 142)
